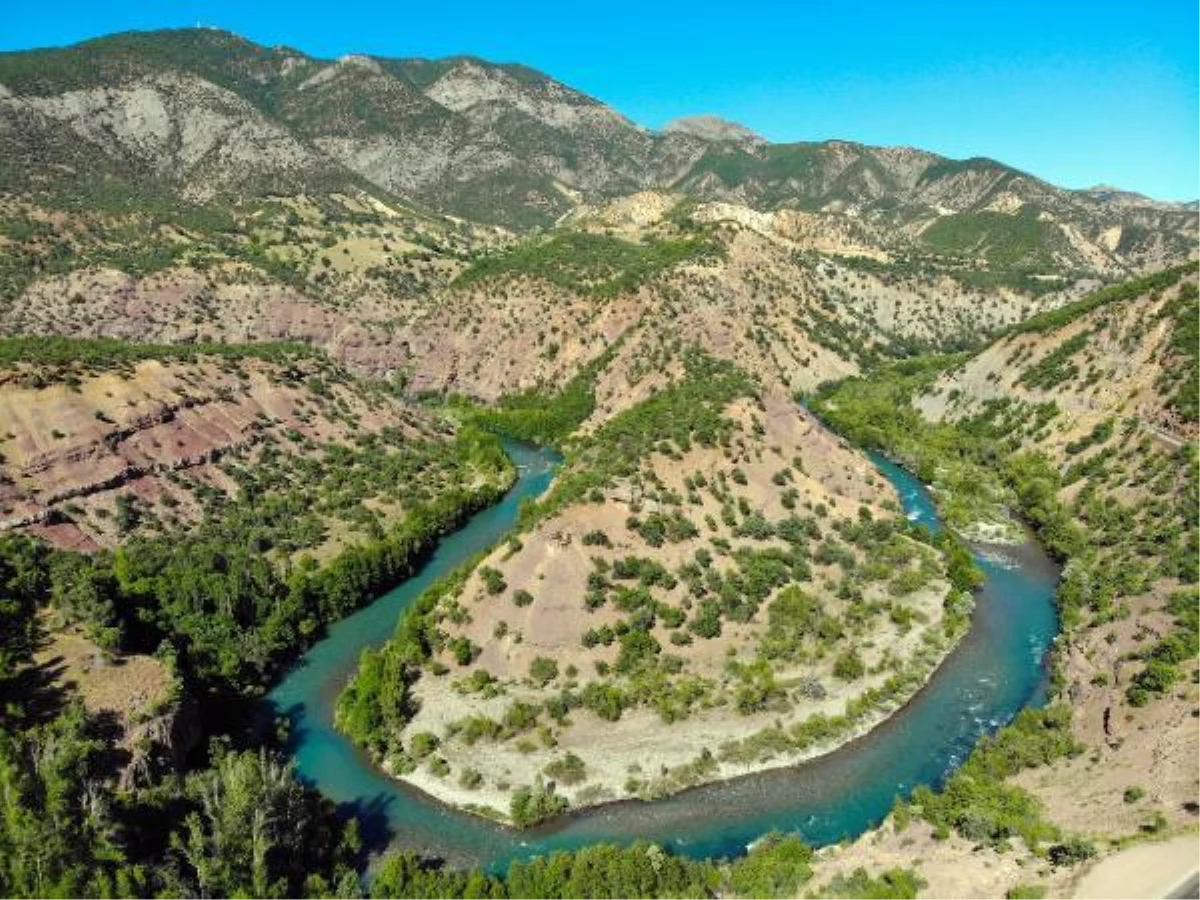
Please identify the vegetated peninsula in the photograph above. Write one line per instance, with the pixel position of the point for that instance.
(265, 319)
(714, 585)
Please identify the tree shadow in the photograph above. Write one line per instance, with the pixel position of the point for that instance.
(374, 825)
(39, 689)
(106, 726)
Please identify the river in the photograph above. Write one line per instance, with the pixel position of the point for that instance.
(1000, 667)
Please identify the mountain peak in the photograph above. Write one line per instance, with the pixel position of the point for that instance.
(362, 62)
(713, 128)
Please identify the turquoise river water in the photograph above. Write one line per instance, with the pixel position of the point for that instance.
(1000, 667)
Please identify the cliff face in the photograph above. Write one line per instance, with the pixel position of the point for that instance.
(160, 744)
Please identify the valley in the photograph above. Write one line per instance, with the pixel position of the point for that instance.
(480, 482)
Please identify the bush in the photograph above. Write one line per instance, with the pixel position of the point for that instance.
(534, 804)
(464, 650)
(849, 666)
(542, 671)
(422, 744)
(1072, 852)
(903, 883)
(568, 770)
(596, 538)
(493, 581)
(776, 867)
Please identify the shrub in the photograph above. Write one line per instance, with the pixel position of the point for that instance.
(849, 666)
(422, 744)
(896, 882)
(1071, 852)
(542, 671)
(493, 581)
(534, 804)
(596, 538)
(464, 650)
(568, 770)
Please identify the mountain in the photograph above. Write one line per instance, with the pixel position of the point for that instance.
(200, 113)
(192, 185)
(461, 135)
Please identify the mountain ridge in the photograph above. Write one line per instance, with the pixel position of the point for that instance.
(500, 142)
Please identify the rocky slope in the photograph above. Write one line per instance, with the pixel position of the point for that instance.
(1106, 393)
(94, 452)
(1127, 359)
(203, 112)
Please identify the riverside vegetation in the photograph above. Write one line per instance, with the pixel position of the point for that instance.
(264, 316)
(222, 601)
(1004, 452)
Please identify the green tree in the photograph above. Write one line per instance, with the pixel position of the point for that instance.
(57, 828)
(255, 831)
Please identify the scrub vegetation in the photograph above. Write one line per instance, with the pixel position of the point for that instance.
(249, 303)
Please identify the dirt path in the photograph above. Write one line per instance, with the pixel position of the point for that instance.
(1148, 870)
(1167, 437)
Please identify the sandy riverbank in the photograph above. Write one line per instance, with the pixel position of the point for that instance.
(621, 772)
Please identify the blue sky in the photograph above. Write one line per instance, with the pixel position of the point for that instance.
(1077, 93)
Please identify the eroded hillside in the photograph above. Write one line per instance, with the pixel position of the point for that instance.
(465, 310)
(1115, 390)
(251, 493)
(1082, 421)
(105, 441)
